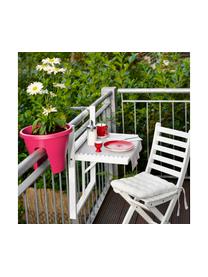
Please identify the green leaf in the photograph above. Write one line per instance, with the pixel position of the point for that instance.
(35, 126)
(42, 130)
(132, 58)
(60, 122)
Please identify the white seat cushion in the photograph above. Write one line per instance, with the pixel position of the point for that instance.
(143, 185)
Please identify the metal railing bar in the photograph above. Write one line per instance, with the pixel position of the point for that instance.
(77, 175)
(78, 186)
(101, 99)
(79, 118)
(135, 125)
(153, 90)
(123, 123)
(36, 203)
(88, 207)
(156, 101)
(147, 122)
(32, 177)
(83, 176)
(84, 126)
(25, 206)
(99, 186)
(87, 188)
(96, 192)
(99, 203)
(160, 119)
(54, 198)
(173, 125)
(30, 160)
(85, 216)
(61, 198)
(67, 186)
(85, 113)
(173, 115)
(46, 199)
(102, 176)
(160, 112)
(186, 117)
(122, 113)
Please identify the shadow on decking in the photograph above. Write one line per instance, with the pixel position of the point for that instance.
(115, 207)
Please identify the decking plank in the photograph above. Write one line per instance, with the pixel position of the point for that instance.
(115, 207)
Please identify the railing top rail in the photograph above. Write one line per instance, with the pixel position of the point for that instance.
(85, 112)
(30, 160)
(154, 90)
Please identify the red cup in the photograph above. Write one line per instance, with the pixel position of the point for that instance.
(98, 146)
(102, 130)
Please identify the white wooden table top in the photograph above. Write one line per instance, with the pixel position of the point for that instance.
(87, 153)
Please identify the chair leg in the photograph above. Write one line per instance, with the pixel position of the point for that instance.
(169, 210)
(129, 215)
(158, 214)
(145, 215)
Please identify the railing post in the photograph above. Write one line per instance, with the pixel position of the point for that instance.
(72, 179)
(112, 100)
(111, 117)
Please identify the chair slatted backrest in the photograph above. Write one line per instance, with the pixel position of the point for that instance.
(170, 152)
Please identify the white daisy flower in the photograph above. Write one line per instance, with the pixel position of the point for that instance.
(49, 69)
(41, 67)
(166, 62)
(48, 110)
(62, 70)
(55, 70)
(56, 85)
(51, 61)
(35, 88)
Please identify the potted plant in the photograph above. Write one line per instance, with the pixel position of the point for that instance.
(50, 129)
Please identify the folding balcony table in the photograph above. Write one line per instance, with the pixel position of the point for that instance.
(85, 153)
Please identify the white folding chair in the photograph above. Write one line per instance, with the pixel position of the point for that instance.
(170, 155)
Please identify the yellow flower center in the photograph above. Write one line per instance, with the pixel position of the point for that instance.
(35, 88)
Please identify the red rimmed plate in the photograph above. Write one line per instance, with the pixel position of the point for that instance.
(118, 145)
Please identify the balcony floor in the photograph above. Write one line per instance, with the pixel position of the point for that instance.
(115, 207)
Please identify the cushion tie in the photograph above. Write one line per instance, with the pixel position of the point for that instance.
(184, 200)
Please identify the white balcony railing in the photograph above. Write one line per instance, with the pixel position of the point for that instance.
(60, 198)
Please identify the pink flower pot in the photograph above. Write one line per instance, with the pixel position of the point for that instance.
(55, 146)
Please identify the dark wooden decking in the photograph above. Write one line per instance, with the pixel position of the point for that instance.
(115, 207)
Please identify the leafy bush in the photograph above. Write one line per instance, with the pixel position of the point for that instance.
(87, 73)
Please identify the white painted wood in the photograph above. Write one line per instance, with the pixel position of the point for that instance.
(173, 132)
(169, 151)
(87, 153)
(153, 151)
(165, 170)
(129, 215)
(84, 196)
(172, 141)
(150, 202)
(90, 167)
(167, 160)
(145, 215)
